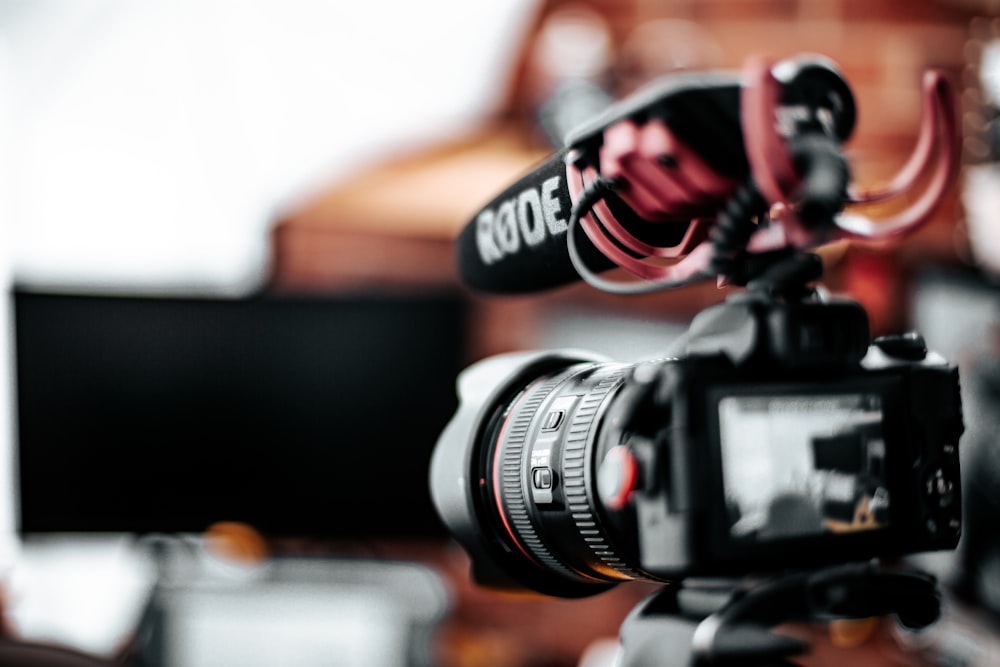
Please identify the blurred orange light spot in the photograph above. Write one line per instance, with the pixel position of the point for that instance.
(234, 541)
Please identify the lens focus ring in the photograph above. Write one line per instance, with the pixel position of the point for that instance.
(559, 528)
(579, 476)
(509, 488)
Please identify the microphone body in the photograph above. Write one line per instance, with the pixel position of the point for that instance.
(699, 176)
(517, 242)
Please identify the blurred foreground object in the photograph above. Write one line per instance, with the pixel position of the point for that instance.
(300, 612)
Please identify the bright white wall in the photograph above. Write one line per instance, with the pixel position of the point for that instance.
(152, 140)
(8, 523)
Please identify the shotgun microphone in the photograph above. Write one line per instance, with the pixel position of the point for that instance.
(517, 243)
(701, 175)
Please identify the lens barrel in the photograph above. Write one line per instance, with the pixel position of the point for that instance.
(526, 504)
(542, 477)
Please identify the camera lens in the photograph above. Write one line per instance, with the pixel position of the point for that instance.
(538, 472)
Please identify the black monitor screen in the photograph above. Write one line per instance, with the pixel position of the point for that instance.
(299, 416)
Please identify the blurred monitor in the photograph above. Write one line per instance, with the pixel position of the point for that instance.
(300, 416)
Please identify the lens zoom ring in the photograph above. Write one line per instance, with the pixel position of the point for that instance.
(581, 506)
(512, 472)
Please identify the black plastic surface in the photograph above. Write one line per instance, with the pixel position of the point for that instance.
(298, 416)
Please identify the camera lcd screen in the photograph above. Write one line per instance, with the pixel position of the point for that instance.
(799, 466)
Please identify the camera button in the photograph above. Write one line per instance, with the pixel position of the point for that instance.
(541, 478)
(543, 481)
(941, 488)
(909, 346)
(617, 477)
(553, 420)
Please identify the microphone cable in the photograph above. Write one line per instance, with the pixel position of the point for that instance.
(729, 237)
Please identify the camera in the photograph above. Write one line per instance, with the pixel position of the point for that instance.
(774, 447)
(780, 439)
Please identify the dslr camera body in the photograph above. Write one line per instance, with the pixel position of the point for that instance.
(779, 440)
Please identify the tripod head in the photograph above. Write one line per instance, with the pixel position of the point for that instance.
(698, 625)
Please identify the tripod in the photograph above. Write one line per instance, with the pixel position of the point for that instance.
(697, 624)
